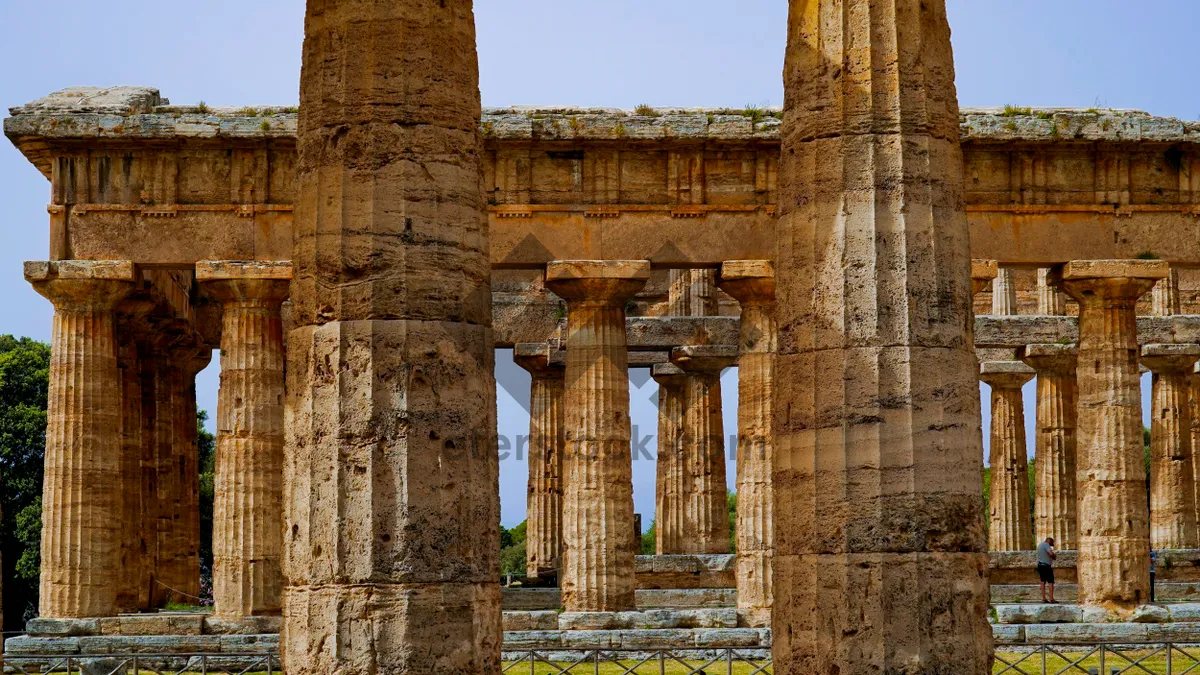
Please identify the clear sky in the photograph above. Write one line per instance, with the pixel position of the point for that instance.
(618, 53)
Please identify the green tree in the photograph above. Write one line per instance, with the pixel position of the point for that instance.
(512, 550)
(731, 504)
(24, 381)
(206, 445)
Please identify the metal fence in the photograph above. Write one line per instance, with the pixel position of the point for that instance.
(1161, 658)
(720, 661)
(144, 664)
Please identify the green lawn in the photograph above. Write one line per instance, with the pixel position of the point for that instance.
(1143, 662)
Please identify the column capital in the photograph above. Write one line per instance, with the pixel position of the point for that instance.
(82, 285)
(1089, 280)
(982, 273)
(540, 359)
(228, 281)
(1170, 358)
(1005, 374)
(1056, 359)
(668, 375)
(748, 281)
(704, 358)
(597, 281)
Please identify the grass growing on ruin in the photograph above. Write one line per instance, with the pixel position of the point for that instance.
(1014, 111)
(645, 110)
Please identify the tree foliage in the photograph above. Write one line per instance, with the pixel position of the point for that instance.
(24, 380)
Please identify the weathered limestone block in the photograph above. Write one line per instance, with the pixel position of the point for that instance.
(881, 560)
(1172, 475)
(702, 447)
(752, 284)
(983, 272)
(390, 461)
(1004, 292)
(1114, 527)
(248, 486)
(547, 437)
(81, 512)
(670, 487)
(597, 570)
(1011, 523)
(1038, 613)
(1051, 300)
(1055, 502)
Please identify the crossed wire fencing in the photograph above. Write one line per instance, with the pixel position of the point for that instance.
(1164, 658)
(144, 664)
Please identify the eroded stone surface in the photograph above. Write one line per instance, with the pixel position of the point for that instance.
(1172, 477)
(547, 438)
(1011, 516)
(1055, 502)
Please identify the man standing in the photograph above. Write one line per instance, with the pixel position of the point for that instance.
(1046, 555)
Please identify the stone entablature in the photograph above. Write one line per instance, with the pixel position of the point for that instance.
(136, 178)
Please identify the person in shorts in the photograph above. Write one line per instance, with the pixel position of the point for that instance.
(1046, 556)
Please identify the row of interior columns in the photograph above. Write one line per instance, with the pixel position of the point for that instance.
(1091, 478)
(121, 517)
(580, 480)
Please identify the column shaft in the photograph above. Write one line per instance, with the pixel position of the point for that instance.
(878, 456)
(1004, 293)
(130, 490)
(692, 293)
(248, 485)
(1114, 529)
(670, 475)
(189, 501)
(1165, 297)
(391, 467)
(598, 553)
(1172, 476)
(1011, 526)
(752, 284)
(1051, 301)
(81, 508)
(1055, 499)
(543, 528)
(148, 497)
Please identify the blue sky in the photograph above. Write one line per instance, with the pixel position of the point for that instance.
(618, 53)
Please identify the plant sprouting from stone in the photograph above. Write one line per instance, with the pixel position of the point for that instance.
(645, 110)
(202, 108)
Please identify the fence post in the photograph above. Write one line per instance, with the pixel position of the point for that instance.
(662, 663)
(596, 656)
(1170, 649)
(728, 662)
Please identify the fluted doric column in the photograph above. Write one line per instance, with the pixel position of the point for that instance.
(1051, 302)
(1172, 477)
(1114, 527)
(1004, 292)
(390, 452)
(1194, 407)
(880, 549)
(543, 528)
(702, 447)
(1165, 298)
(248, 483)
(189, 450)
(752, 284)
(670, 485)
(81, 510)
(598, 555)
(1011, 526)
(1055, 512)
(692, 293)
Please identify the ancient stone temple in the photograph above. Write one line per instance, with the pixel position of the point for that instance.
(865, 257)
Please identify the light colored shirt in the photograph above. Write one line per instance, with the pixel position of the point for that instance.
(1043, 554)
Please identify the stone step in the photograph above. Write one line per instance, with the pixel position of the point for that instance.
(1093, 633)
(675, 638)
(1038, 613)
(1164, 591)
(169, 624)
(534, 599)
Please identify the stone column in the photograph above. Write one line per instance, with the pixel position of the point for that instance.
(188, 451)
(1004, 293)
(81, 509)
(248, 483)
(1051, 302)
(1194, 407)
(1011, 514)
(670, 493)
(148, 502)
(1172, 477)
(130, 480)
(390, 457)
(702, 447)
(597, 572)
(1114, 528)
(752, 284)
(543, 528)
(1165, 298)
(692, 293)
(880, 550)
(1055, 511)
